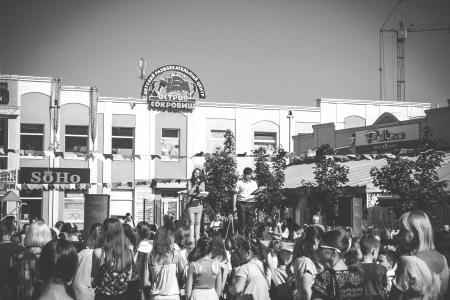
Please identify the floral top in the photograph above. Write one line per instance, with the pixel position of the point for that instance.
(342, 285)
(25, 270)
(112, 282)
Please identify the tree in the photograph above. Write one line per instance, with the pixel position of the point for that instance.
(221, 176)
(416, 183)
(325, 192)
(270, 174)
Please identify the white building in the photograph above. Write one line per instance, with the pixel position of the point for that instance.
(139, 155)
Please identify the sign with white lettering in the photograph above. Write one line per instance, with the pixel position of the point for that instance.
(54, 176)
(173, 88)
(387, 138)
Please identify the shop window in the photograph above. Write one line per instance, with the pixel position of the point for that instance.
(121, 203)
(74, 208)
(122, 140)
(216, 140)
(33, 201)
(4, 93)
(31, 138)
(267, 140)
(77, 139)
(170, 145)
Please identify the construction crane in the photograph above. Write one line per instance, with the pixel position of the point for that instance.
(401, 32)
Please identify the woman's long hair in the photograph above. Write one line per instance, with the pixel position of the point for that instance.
(304, 246)
(218, 246)
(115, 245)
(194, 179)
(201, 249)
(418, 224)
(163, 243)
(58, 261)
(94, 239)
(37, 235)
(258, 250)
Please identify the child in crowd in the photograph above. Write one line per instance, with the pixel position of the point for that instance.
(388, 259)
(373, 274)
(275, 247)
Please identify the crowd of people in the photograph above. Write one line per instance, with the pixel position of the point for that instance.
(116, 260)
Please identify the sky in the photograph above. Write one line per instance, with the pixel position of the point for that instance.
(287, 52)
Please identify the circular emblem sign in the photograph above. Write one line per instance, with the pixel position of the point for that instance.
(173, 87)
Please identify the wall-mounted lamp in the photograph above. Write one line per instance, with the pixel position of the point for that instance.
(290, 115)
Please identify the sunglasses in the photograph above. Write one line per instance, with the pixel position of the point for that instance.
(329, 247)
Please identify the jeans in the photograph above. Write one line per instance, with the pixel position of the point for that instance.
(195, 218)
(246, 213)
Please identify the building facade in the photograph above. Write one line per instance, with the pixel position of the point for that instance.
(62, 142)
(362, 148)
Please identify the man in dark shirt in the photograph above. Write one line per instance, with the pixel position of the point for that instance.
(7, 250)
(373, 274)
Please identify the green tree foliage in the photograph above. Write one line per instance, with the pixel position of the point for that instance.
(330, 177)
(269, 171)
(416, 183)
(221, 176)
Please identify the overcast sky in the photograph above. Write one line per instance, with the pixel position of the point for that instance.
(287, 52)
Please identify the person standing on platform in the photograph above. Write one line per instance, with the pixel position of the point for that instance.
(244, 202)
(195, 186)
(129, 220)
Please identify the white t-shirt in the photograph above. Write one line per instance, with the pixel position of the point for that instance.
(244, 189)
(256, 282)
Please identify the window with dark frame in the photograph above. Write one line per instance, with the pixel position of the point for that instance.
(170, 144)
(267, 140)
(31, 137)
(3, 144)
(4, 93)
(77, 139)
(122, 140)
(33, 201)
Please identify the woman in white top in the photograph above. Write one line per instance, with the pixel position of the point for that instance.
(165, 266)
(253, 278)
(82, 282)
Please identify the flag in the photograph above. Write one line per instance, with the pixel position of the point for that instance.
(93, 99)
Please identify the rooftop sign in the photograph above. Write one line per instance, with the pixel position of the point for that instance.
(173, 88)
(387, 138)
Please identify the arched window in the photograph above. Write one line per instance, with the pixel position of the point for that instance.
(266, 135)
(354, 121)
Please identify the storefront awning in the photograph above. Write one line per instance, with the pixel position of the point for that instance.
(359, 173)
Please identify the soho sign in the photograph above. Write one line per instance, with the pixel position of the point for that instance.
(54, 176)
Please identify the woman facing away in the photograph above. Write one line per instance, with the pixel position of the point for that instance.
(204, 277)
(165, 267)
(305, 262)
(57, 263)
(337, 281)
(82, 283)
(141, 257)
(424, 273)
(25, 264)
(195, 186)
(252, 279)
(112, 264)
(219, 253)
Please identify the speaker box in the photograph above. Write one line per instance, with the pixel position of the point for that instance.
(96, 209)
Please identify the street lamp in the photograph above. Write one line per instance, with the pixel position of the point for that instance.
(290, 116)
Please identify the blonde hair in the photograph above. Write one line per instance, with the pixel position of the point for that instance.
(38, 235)
(418, 224)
